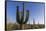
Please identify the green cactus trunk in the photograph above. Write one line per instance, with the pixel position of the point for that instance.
(22, 26)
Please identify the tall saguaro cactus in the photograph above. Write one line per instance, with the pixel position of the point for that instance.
(21, 21)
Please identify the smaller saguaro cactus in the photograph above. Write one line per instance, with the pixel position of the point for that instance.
(20, 21)
(33, 21)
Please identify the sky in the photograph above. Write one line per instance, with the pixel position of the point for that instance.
(36, 11)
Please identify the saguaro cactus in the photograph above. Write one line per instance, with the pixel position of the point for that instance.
(21, 21)
(33, 21)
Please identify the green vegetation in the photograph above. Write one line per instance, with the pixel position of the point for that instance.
(26, 26)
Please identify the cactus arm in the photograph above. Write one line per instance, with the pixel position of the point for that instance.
(27, 16)
(17, 15)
